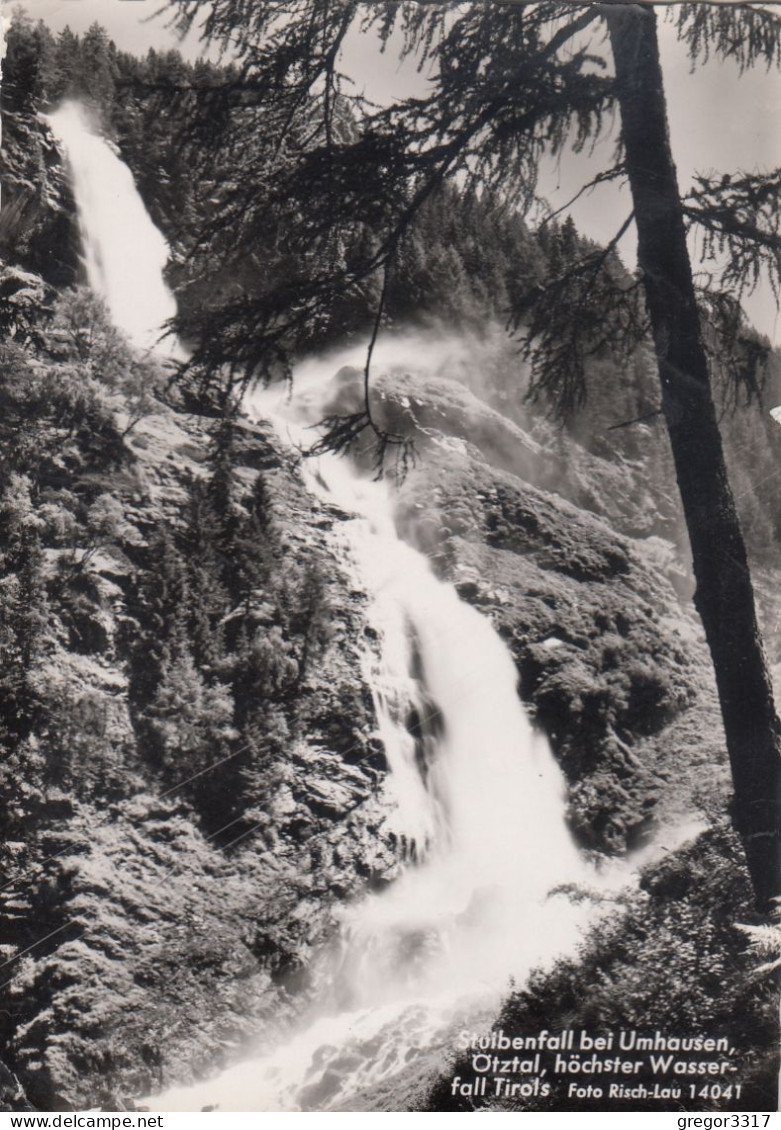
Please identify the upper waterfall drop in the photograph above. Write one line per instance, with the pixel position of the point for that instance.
(125, 254)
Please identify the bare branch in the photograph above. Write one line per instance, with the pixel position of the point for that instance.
(636, 420)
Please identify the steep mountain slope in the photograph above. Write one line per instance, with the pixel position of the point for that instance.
(167, 872)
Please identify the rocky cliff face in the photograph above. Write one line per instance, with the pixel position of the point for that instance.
(38, 227)
(611, 665)
(170, 887)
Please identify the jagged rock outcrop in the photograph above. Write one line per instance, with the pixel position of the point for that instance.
(12, 1096)
(625, 490)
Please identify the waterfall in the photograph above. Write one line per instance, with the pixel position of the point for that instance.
(124, 253)
(476, 792)
(484, 801)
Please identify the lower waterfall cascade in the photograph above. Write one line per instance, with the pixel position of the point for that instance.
(484, 806)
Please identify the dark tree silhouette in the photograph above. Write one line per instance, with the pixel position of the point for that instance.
(724, 597)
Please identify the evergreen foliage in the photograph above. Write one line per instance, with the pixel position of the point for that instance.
(217, 637)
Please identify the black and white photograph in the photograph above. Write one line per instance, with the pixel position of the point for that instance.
(390, 557)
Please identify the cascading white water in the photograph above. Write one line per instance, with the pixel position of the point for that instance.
(485, 805)
(125, 254)
(480, 797)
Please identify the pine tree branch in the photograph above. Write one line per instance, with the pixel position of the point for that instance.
(746, 33)
(601, 178)
(740, 218)
(341, 432)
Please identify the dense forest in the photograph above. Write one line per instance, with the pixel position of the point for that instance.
(191, 779)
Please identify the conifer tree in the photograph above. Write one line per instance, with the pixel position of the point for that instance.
(97, 70)
(28, 64)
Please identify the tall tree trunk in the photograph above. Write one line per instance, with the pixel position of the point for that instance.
(724, 596)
